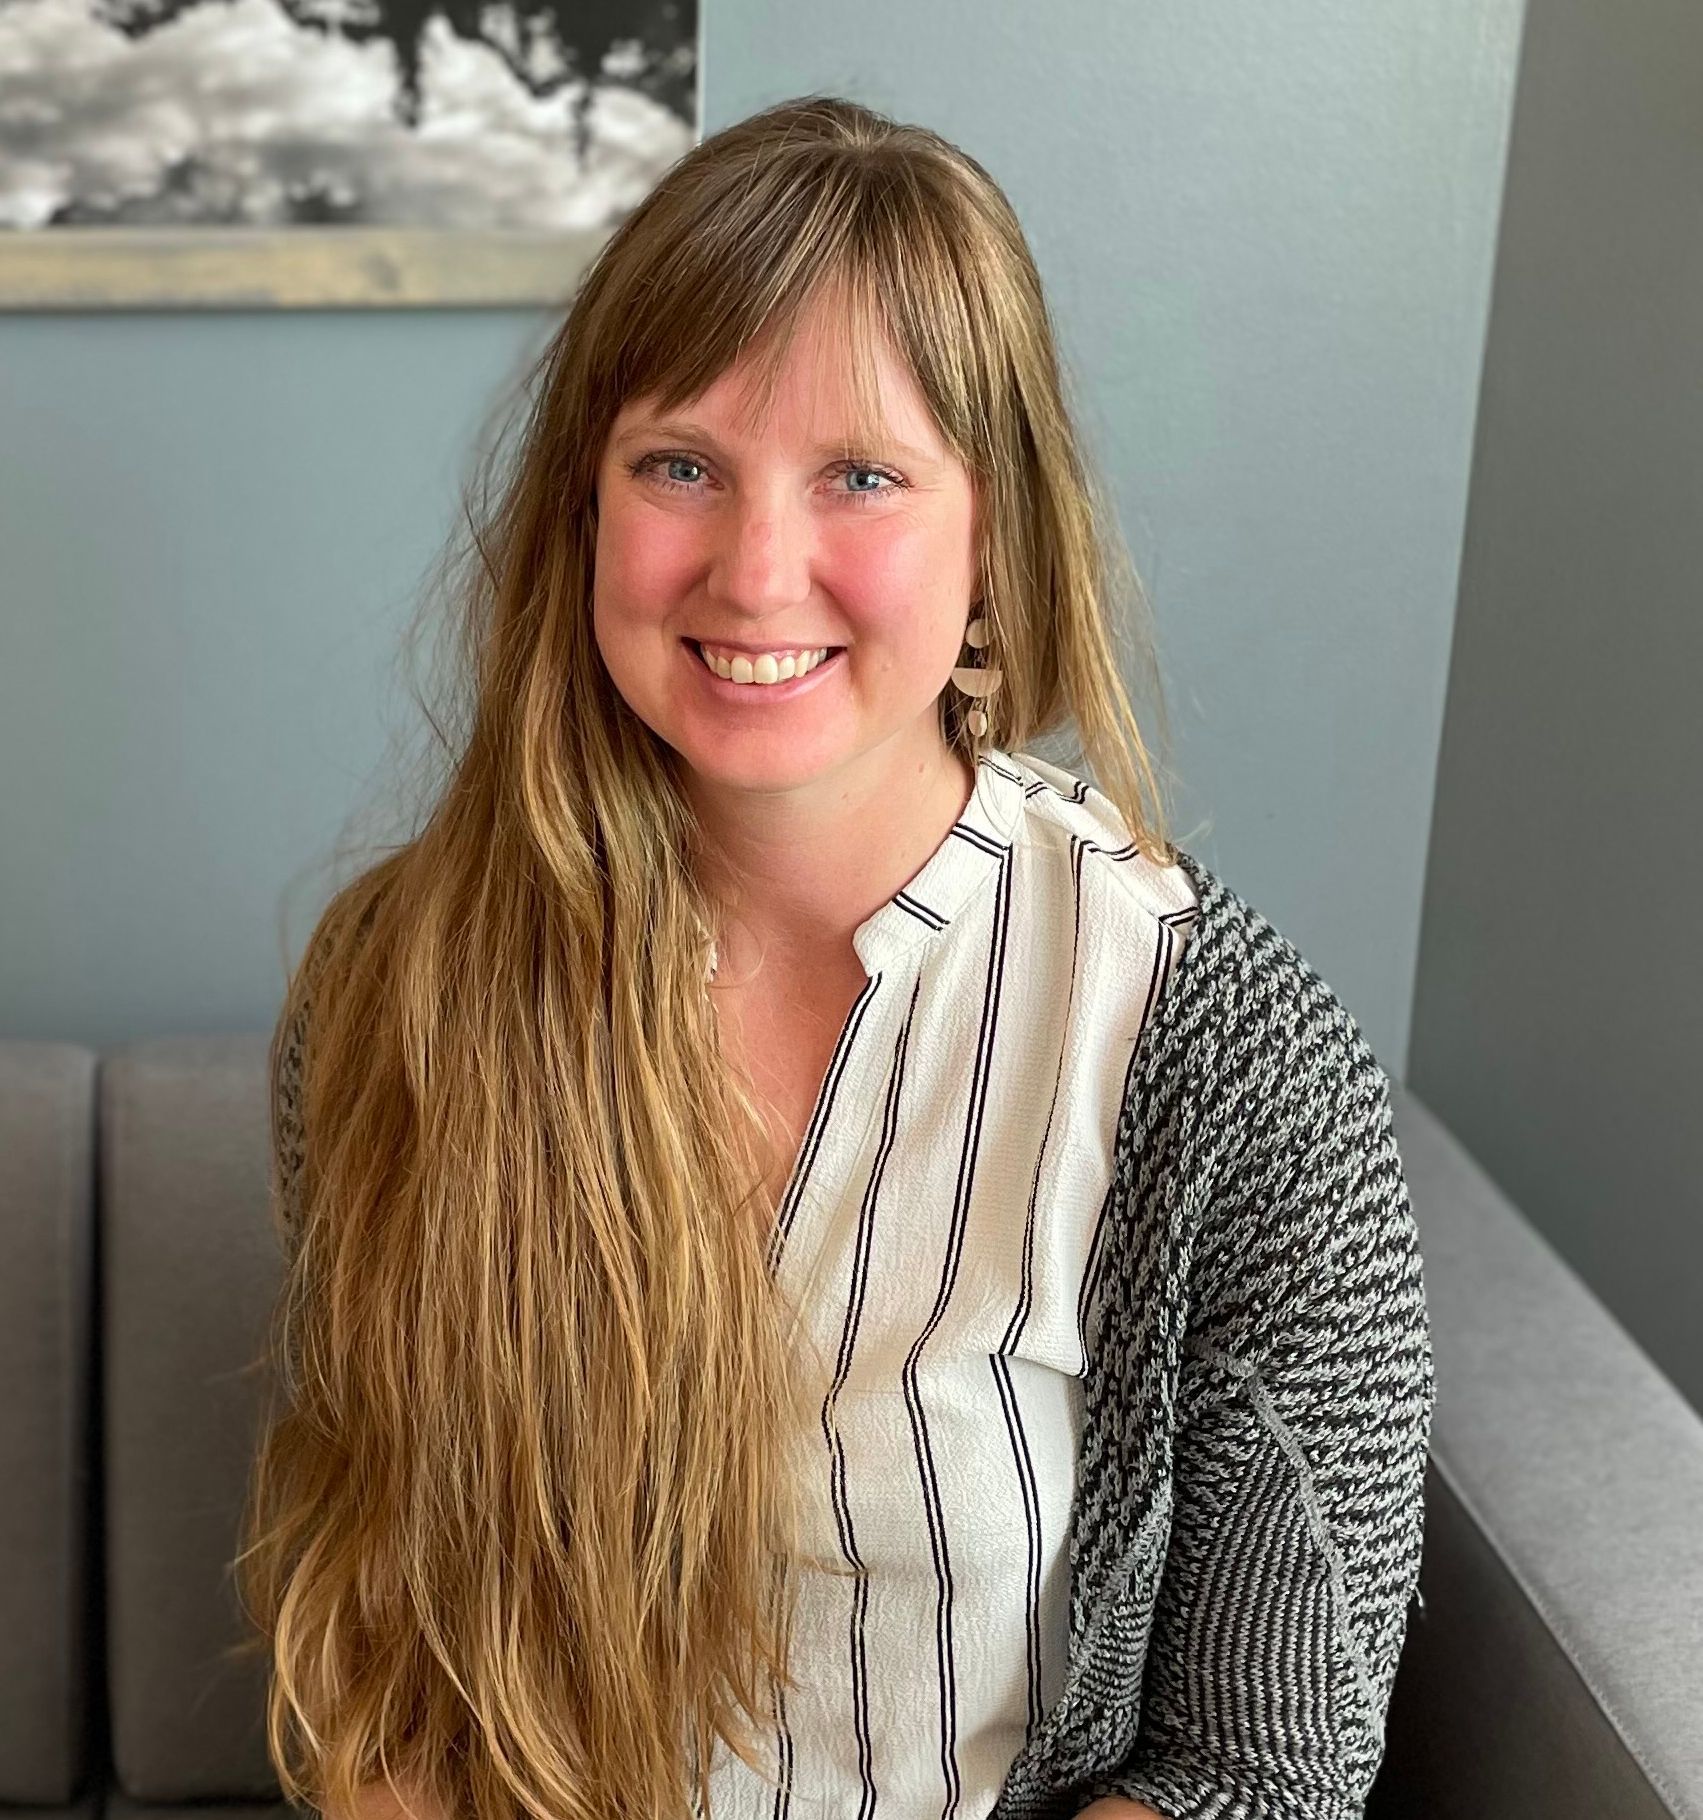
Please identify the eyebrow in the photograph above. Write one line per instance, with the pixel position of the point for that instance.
(695, 432)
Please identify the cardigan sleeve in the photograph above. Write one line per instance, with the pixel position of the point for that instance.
(285, 1069)
(287, 1082)
(1301, 1435)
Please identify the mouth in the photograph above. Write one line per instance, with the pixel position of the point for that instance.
(698, 644)
(753, 692)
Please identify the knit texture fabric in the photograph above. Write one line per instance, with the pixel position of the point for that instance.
(1248, 1516)
(1249, 1519)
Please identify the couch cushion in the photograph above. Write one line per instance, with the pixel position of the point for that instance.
(47, 1141)
(191, 1269)
(1556, 1666)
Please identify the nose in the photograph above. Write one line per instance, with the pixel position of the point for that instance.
(765, 550)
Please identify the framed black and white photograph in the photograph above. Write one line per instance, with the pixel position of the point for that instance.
(329, 153)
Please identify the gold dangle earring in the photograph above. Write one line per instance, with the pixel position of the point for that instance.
(978, 682)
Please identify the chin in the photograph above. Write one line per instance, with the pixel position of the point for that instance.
(759, 770)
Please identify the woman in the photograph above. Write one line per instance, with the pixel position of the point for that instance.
(832, 1269)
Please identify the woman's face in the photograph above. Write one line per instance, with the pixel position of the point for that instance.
(780, 535)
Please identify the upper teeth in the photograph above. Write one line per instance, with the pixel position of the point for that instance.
(770, 667)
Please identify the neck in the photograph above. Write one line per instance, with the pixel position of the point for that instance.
(801, 869)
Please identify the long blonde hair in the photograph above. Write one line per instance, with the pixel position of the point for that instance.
(520, 1535)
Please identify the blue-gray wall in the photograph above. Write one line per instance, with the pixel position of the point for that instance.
(215, 528)
(1269, 237)
(1559, 1013)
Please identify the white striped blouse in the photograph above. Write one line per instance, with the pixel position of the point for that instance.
(940, 1234)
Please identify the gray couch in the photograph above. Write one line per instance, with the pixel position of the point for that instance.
(1555, 1669)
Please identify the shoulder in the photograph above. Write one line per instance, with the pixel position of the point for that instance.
(287, 1061)
(1248, 1015)
(286, 1068)
(1243, 1008)
(1070, 824)
(1257, 1119)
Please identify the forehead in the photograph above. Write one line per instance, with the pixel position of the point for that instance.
(836, 375)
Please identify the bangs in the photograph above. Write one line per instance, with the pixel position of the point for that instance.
(859, 325)
(864, 242)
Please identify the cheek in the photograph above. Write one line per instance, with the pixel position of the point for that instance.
(642, 564)
(904, 596)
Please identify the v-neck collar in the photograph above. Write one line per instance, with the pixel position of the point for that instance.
(969, 855)
(922, 909)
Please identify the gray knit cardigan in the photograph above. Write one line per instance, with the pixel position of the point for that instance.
(1246, 1530)
(1248, 1513)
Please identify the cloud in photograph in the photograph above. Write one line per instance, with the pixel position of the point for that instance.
(232, 113)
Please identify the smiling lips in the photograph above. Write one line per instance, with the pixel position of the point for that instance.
(766, 668)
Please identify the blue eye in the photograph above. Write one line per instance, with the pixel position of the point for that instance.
(646, 466)
(669, 461)
(863, 470)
